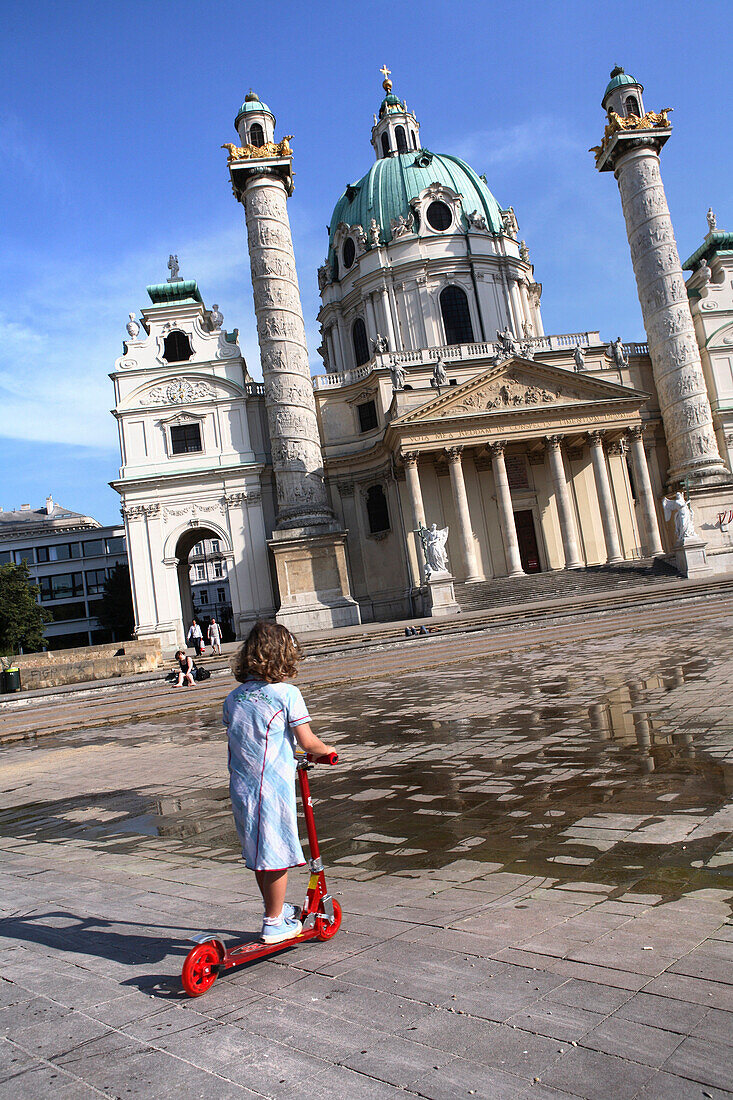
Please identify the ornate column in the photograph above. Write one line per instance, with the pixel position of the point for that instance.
(652, 542)
(308, 547)
(605, 498)
(417, 509)
(630, 148)
(465, 529)
(506, 511)
(564, 504)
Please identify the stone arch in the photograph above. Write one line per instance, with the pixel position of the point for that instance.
(178, 546)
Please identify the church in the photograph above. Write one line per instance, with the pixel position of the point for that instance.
(443, 401)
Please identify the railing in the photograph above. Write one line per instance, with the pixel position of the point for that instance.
(636, 349)
(255, 389)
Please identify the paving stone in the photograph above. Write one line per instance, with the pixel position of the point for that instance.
(704, 1061)
(667, 1086)
(463, 1077)
(639, 1043)
(597, 1076)
(664, 1012)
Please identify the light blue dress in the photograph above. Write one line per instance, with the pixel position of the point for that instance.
(259, 717)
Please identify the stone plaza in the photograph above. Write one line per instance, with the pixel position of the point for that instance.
(529, 832)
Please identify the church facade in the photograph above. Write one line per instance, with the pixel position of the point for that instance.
(443, 399)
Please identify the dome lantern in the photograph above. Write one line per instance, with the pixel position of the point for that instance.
(255, 122)
(395, 130)
(623, 94)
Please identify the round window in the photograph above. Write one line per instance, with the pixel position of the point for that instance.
(349, 252)
(439, 215)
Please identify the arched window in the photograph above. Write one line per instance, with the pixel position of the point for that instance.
(401, 139)
(414, 140)
(385, 144)
(377, 510)
(632, 106)
(456, 316)
(176, 347)
(360, 342)
(349, 252)
(256, 135)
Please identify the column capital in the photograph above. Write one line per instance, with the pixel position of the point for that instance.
(595, 438)
(497, 448)
(553, 442)
(409, 458)
(636, 431)
(454, 453)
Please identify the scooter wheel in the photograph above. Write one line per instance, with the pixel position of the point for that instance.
(324, 929)
(200, 969)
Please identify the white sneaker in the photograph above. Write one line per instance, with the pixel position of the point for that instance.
(285, 929)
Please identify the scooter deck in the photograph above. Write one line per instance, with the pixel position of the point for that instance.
(248, 952)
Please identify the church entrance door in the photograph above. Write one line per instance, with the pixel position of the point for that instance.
(527, 539)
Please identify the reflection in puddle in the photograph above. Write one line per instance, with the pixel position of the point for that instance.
(619, 791)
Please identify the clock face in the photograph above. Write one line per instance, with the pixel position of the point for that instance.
(178, 391)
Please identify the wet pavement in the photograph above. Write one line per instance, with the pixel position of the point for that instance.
(533, 848)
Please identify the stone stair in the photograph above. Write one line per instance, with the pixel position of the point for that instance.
(501, 591)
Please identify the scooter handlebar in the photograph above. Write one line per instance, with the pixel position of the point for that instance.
(328, 758)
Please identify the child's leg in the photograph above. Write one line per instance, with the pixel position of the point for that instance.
(273, 885)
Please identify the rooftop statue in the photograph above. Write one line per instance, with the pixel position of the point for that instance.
(132, 327)
(173, 268)
(268, 149)
(615, 352)
(712, 220)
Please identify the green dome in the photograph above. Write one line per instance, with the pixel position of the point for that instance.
(252, 102)
(618, 79)
(391, 182)
(388, 103)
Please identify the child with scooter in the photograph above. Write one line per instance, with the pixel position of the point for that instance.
(265, 718)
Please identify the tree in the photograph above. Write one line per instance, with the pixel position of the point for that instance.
(115, 608)
(21, 616)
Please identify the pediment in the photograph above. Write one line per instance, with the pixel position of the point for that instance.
(182, 389)
(518, 386)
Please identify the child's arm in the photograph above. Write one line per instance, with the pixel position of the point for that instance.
(308, 741)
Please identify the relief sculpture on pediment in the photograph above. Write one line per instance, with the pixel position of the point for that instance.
(508, 393)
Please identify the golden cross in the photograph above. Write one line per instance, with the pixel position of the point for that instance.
(385, 71)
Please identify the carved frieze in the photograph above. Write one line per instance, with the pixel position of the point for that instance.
(506, 393)
(179, 391)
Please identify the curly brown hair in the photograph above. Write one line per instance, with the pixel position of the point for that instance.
(270, 653)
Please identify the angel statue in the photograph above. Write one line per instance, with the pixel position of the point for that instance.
(680, 508)
(433, 544)
(217, 316)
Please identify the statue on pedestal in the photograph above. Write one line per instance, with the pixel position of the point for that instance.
(678, 507)
(579, 357)
(616, 353)
(173, 268)
(440, 378)
(433, 543)
(712, 220)
(397, 374)
(380, 345)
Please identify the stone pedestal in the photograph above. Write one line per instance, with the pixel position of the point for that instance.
(313, 580)
(440, 598)
(691, 558)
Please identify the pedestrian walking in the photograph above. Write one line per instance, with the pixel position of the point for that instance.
(214, 635)
(266, 718)
(195, 638)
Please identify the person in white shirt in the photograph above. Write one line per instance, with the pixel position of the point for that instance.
(196, 639)
(214, 636)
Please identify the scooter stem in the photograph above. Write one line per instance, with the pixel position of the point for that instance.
(310, 822)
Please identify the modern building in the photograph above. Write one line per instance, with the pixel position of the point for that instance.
(210, 584)
(69, 556)
(443, 400)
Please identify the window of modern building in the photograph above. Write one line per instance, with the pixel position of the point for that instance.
(95, 607)
(200, 572)
(4, 557)
(67, 611)
(385, 144)
(186, 439)
(116, 545)
(23, 555)
(62, 586)
(349, 252)
(68, 641)
(377, 510)
(456, 316)
(93, 548)
(632, 106)
(401, 139)
(439, 215)
(95, 579)
(360, 342)
(256, 135)
(218, 569)
(367, 416)
(62, 551)
(221, 595)
(177, 347)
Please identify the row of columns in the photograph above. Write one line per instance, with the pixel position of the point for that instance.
(651, 540)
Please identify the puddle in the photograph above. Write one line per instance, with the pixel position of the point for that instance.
(542, 774)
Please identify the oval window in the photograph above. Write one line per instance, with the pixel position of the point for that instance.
(439, 215)
(349, 252)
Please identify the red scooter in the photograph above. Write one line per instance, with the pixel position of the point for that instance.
(320, 916)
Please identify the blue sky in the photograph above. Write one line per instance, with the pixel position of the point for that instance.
(110, 141)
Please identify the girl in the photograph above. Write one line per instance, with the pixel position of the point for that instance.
(185, 670)
(265, 717)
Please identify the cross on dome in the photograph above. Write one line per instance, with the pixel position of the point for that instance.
(386, 83)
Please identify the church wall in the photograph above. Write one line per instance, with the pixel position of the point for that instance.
(549, 517)
(496, 558)
(592, 544)
(624, 506)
